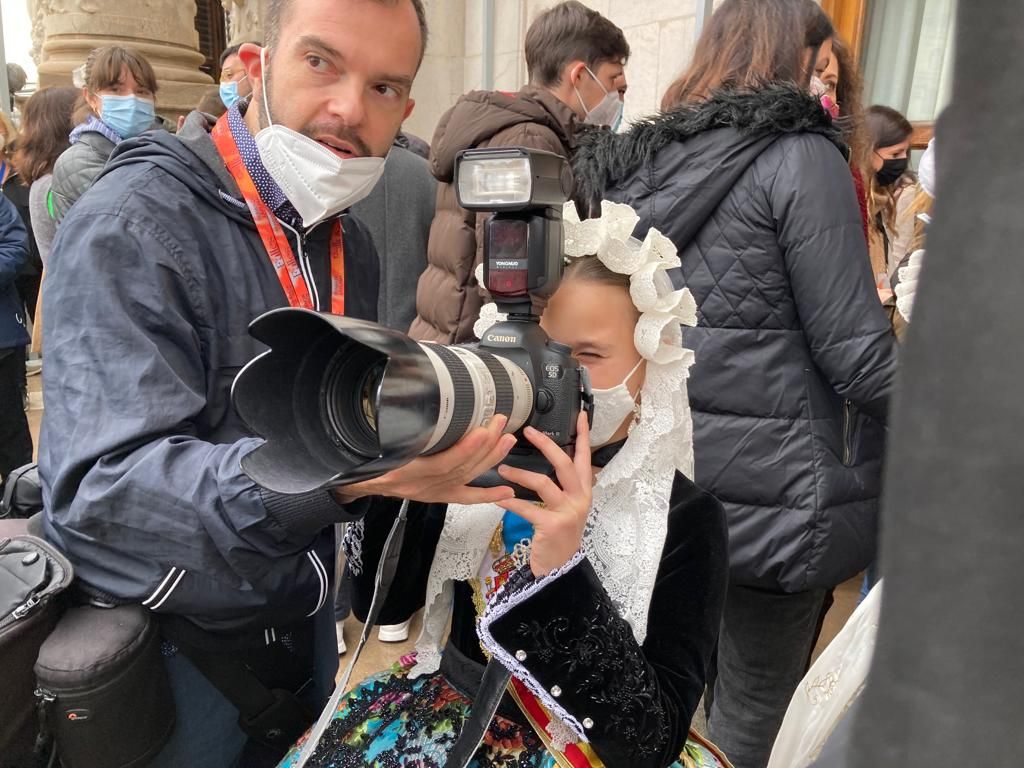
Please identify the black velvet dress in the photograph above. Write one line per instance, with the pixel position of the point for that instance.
(635, 702)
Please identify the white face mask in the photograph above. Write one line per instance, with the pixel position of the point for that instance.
(611, 408)
(317, 182)
(607, 112)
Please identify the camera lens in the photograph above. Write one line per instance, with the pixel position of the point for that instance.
(349, 399)
(475, 385)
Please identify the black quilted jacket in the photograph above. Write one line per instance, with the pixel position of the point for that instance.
(794, 354)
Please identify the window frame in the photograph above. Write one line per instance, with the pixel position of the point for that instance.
(849, 17)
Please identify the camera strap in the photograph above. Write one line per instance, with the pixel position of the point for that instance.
(286, 267)
(386, 569)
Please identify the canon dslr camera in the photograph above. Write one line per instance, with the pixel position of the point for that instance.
(340, 400)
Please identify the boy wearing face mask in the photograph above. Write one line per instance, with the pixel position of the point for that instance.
(575, 59)
(234, 82)
(118, 103)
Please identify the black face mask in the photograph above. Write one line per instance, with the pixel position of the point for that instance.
(891, 171)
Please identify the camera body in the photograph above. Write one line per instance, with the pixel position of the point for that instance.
(523, 264)
(340, 400)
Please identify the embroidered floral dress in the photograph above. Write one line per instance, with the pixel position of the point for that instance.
(573, 659)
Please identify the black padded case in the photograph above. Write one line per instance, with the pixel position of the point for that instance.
(103, 681)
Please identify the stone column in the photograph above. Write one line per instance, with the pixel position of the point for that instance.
(161, 30)
(245, 20)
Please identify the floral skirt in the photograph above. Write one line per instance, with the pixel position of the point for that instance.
(391, 720)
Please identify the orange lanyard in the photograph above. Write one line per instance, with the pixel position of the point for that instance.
(274, 239)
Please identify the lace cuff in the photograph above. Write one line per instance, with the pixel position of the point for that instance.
(562, 636)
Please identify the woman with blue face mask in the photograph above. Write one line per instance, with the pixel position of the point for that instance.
(118, 103)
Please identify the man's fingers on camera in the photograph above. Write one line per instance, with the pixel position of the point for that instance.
(468, 495)
(493, 458)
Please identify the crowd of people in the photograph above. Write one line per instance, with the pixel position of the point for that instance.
(739, 271)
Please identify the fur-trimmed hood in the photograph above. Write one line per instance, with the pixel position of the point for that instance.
(604, 158)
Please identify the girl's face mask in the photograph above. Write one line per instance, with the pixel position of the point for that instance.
(611, 408)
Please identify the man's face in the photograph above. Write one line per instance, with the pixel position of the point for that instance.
(234, 72)
(607, 76)
(341, 73)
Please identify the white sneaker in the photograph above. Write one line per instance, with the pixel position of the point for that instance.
(339, 627)
(394, 633)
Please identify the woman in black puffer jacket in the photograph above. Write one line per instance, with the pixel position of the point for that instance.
(746, 174)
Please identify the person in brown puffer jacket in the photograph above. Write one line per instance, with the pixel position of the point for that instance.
(575, 59)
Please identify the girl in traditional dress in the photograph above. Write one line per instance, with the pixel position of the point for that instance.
(604, 600)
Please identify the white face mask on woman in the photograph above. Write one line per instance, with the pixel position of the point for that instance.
(611, 408)
(317, 182)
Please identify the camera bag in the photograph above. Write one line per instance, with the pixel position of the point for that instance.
(104, 689)
(23, 493)
(32, 577)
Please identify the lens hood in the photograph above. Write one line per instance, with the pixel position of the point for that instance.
(337, 400)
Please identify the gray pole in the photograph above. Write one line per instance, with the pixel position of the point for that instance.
(5, 101)
(704, 10)
(487, 47)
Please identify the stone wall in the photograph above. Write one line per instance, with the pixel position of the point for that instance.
(661, 34)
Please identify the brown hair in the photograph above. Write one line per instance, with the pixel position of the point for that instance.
(104, 69)
(277, 12)
(593, 270)
(886, 127)
(849, 90)
(570, 32)
(748, 43)
(45, 125)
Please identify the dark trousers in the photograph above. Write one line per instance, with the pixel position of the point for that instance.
(765, 641)
(15, 438)
(206, 732)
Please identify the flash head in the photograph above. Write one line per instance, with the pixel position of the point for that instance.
(510, 180)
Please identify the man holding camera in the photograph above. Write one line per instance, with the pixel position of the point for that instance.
(575, 59)
(156, 274)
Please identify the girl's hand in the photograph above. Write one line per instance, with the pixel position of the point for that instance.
(558, 525)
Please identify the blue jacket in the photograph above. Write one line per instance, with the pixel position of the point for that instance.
(13, 255)
(154, 277)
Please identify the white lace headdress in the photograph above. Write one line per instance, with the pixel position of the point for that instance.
(626, 528)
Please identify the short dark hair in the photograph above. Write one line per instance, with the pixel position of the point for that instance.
(569, 32)
(231, 50)
(277, 11)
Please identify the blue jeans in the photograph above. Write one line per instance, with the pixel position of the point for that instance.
(206, 732)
